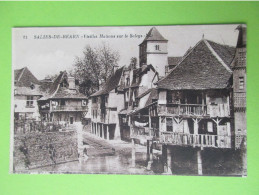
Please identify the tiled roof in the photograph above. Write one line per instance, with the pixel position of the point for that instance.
(154, 35)
(57, 92)
(225, 52)
(24, 78)
(152, 96)
(174, 60)
(206, 66)
(111, 83)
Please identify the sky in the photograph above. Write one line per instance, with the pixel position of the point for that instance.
(49, 50)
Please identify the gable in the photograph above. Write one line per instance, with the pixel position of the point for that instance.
(200, 69)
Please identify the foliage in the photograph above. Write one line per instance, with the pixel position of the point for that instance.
(95, 67)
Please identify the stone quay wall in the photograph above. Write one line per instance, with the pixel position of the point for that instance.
(38, 149)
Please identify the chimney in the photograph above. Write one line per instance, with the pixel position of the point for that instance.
(71, 82)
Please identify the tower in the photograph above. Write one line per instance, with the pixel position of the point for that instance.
(153, 50)
(239, 81)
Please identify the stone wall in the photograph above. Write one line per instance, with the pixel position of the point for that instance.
(38, 149)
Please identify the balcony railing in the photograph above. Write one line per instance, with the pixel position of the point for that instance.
(184, 109)
(217, 110)
(195, 140)
(69, 108)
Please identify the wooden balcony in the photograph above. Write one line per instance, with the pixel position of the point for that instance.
(183, 109)
(144, 132)
(198, 110)
(199, 140)
(68, 108)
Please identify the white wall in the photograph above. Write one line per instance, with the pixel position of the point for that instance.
(20, 105)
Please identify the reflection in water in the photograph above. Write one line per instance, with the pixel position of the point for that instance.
(113, 164)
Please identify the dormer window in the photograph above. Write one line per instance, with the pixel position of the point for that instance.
(157, 47)
(32, 86)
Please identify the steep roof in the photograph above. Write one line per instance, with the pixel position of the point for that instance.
(206, 66)
(24, 78)
(152, 96)
(225, 52)
(154, 35)
(174, 60)
(111, 83)
(57, 92)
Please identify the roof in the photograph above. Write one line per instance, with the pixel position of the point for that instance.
(111, 83)
(154, 35)
(174, 60)
(24, 78)
(152, 96)
(55, 91)
(139, 72)
(206, 66)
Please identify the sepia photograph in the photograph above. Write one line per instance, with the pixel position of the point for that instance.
(142, 100)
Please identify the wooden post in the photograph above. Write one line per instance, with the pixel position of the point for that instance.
(151, 151)
(108, 134)
(133, 154)
(148, 150)
(102, 131)
(169, 161)
(164, 157)
(199, 162)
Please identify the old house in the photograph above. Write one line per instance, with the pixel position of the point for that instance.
(105, 106)
(26, 93)
(195, 107)
(137, 87)
(63, 102)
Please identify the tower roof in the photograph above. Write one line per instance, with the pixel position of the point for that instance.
(154, 35)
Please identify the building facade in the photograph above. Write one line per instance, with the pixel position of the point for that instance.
(105, 106)
(26, 93)
(63, 102)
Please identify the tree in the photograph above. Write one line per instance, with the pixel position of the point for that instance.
(95, 67)
(133, 62)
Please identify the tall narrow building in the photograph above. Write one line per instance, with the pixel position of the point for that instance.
(239, 85)
(153, 50)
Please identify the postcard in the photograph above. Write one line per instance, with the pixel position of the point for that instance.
(149, 100)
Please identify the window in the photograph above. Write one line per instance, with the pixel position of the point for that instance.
(127, 81)
(169, 124)
(94, 99)
(106, 99)
(241, 82)
(62, 102)
(157, 47)
(29, 102)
